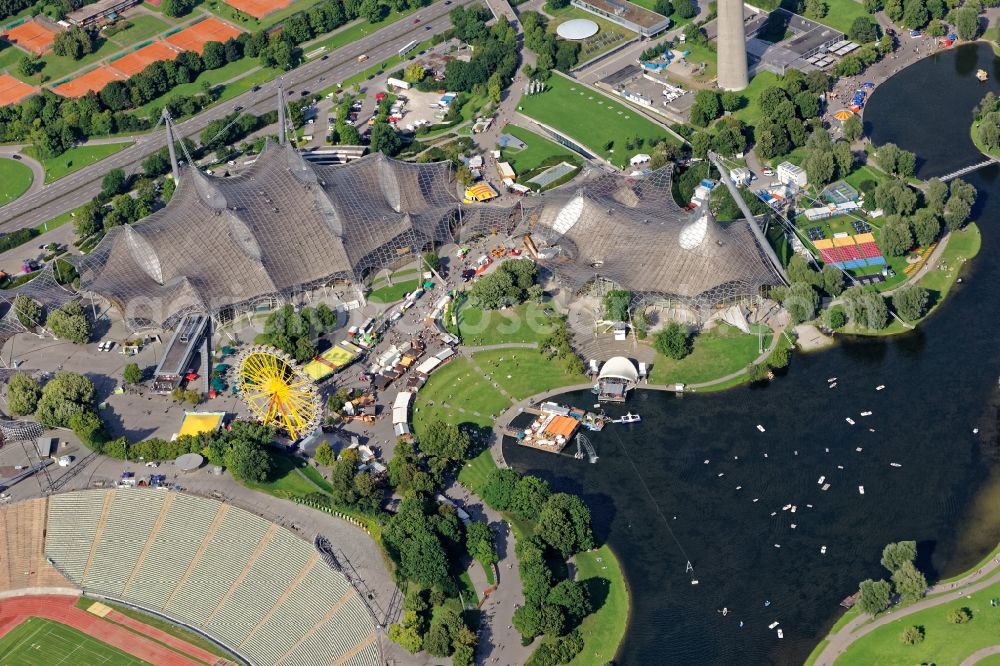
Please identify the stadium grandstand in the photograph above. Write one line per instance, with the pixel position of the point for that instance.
(286, 226)
(254, 587)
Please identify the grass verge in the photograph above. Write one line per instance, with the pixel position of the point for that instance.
(604, 629)
(524, 372)
(527, 322)
(76, 158)
(15, 179)
(456, 393)
(716, 353)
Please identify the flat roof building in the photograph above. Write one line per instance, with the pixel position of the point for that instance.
(635, 18)
(101, 10)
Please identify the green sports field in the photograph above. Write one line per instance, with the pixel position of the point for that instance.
(40, 642)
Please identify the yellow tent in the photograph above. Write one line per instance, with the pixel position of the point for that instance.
(198, 422)
(330, 361)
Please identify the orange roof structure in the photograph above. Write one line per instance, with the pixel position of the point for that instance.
(194, 37)
(13, 91)
(31, 36)
(561, 425)
(94, 80)
(133, 63)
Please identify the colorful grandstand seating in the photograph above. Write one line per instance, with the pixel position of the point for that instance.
(850, 252)
(254, 586)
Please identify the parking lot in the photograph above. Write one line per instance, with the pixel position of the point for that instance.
(652, 90)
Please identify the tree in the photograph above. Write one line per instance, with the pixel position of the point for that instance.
(960, 200)
(864, 29)
(912, 635)
(479, 543)
(895, 238)
(874, 596)
(853, 129)
(906, 163)
(29, 312)
(114, 182)
(815, 9)
(915, 14)
(62, 396)
(732, 101)
(529, 496)
(909, 582)
(414, 73)
(23, 392)
(28, 65)
(834, 318)
(673, 341)
(801, 300)
(324, 454)
(247, 461)
(833, 280)
(616, 304)
(132, 373)
(664, 7)
(70, 323)
(444, 440)
(959, 615)
(910, 301)
(571, 596)
(406, 634)
(214, 55)
(873, 6)
(499, 488)
(926, 227)
(685, 9)
(707, 103)
(895, 555)
(437, 643)
(967, 22)
(886, 157)
(820, 166)
(564, 524)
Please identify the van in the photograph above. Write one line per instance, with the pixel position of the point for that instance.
(362, 57)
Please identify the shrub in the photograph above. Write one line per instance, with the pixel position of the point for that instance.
(959, 615)
(912, 635)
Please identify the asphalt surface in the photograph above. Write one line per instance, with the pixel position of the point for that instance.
(76, 189)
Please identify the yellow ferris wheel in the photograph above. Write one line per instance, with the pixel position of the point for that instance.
(277, 391)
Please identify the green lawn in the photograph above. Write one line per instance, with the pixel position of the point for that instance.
(158, 623)
(524, 372)
(863, 173)
(15, 179)
(394, 292)
(604, 629)
(716, 353)
(143, 27)
(41, 642)
(527, 322)
(469, 397)
(944, 643)
(751, 114)
(841, 14)
(590, 118)
(538, 150)
(594, 46)
(289, 478)
(77, 158)
(474, 473)
(9, 55)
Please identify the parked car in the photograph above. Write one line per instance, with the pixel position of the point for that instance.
(152, 464)
(768, 172)
(255, 89)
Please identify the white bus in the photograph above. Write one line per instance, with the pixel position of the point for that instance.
(409, 47)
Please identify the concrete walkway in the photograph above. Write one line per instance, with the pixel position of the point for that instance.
(936, 595)
(979, 655)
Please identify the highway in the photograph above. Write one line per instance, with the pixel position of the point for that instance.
(77, 188)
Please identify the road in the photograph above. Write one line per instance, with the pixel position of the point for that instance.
(77, 188)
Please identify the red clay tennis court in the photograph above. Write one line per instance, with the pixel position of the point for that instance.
(258, 8)
(138, 60)
(31, 36)
(194, 38)
(94, 80)
(13, 91)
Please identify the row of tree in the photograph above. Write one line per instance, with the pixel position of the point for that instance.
(987, 114)
(553, 52)
(513, 282)
(494, 57)
(293, 332)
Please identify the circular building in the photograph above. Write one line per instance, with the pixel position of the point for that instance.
(577, 29)
(189, 462)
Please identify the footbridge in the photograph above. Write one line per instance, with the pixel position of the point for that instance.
(969, 169)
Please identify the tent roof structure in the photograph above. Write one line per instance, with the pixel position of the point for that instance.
(286, 225)
(619, 367)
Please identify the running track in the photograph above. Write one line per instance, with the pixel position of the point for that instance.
(61, 609)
